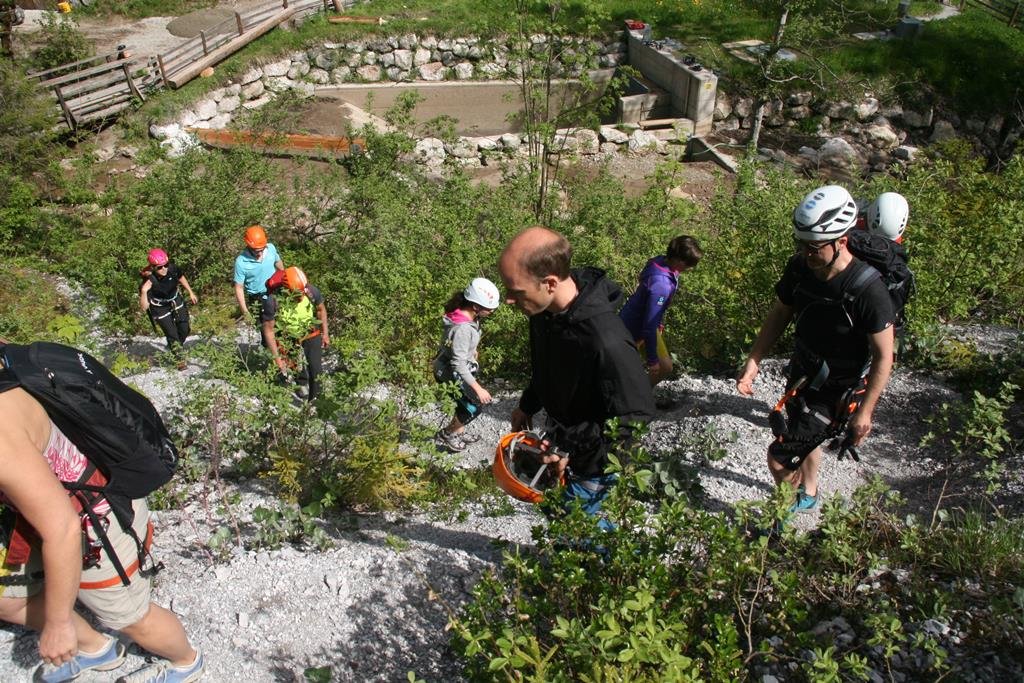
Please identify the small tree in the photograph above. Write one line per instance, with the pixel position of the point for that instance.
(546, 49)
(63, 42)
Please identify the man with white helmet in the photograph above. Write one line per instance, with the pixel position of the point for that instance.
(844, 342)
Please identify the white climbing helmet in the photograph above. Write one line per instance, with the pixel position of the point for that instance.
(887, 216)
(482, 292)
(824, 215)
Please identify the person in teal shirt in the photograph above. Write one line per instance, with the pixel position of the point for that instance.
(253, 267)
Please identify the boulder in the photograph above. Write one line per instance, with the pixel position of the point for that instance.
(387, 59)
(403, 59)
(837, 152)
(744, 107)
(257, 103)
(395, 74)
(325, 60)
(305, 90)
(905, 153)
(251, 75)
(510, 141)
(429, 42)
(798, 99)
(492, 70)
(798, 113)
(914, 119)
(609, 148)
(942, 131)
(642, 141)
(179, 145)
(881, 136)
(219, 121)
(318, 76)
(341, 74)
(587, 141)
(421, 56)
(429, 151)
(486, 144)
(280, 84)
(434, 71)
(407, 41)
(463, 71)
(277, 69)
(612, 134)
(462, 148)
(865, 109)
(369, 73)
(370, 57)
(614, 59)
(188, 118)
(298, 70)
(229, 104)
(164, 132)
(723, 106)
(205, 109)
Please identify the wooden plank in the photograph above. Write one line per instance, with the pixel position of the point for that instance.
(107, 112)
(87, 100)
(86, 73)
(92, 84)
(276, 143)
(65, 67)
(131, 84)
(658, 123)
(68, 116)
(232, 46)
(239, 24)
(347, 19)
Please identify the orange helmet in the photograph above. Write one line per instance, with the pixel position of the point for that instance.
(256, 237)
(518, 470)
(295, 279)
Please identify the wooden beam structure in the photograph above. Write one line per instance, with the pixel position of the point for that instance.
(332, 146)
(179, 78)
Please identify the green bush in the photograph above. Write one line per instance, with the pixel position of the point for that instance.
(683, 594)
(63, 42)
(26, 117)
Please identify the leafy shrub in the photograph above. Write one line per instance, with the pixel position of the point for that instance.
(682, 594)
(63, 42)
(26, 117)
(31, 308)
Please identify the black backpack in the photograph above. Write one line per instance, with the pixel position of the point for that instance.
(114, 426)
(890, 261)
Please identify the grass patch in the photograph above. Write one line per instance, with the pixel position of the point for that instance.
(31, 308)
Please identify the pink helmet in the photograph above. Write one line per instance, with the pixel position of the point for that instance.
(157, 257)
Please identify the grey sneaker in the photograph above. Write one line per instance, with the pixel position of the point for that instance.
(110, 657)
(163, 672)
(468, 438)
(446, 441)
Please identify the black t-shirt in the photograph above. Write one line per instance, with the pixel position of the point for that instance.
(164, 287)
(830, 328)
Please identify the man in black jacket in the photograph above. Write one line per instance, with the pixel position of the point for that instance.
(585, 368)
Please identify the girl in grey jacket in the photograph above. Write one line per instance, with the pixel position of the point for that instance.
(456, 359)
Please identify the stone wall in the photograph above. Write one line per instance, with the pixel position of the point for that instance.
(410, 59)
(864, 134)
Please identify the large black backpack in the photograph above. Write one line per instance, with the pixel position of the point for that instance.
(114, 426)
(891, 262)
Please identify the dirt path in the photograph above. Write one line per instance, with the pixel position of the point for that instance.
(149, 36)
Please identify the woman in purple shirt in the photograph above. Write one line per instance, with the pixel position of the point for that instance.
(645, 309)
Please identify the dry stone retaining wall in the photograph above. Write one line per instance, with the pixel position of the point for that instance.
(409, 59)
(862, 135)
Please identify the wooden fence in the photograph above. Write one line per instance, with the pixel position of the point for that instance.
(103, 86)
(98, 87)
(1011, 11)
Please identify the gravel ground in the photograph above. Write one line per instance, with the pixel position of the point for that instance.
(375, 606)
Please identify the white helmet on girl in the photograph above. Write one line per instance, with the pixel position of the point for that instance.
(482, 292)
(887, 216)
(825, 214)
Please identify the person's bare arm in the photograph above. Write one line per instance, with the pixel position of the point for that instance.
(188, 288)
(240, 298)
(321, 312)
(26, 479)
(881, 344)
(776, 322)
(143, 291)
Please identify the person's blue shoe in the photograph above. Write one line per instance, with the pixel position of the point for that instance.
(110, 657)
(163, 672)
(804, 502)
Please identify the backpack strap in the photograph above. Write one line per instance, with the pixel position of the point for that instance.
(859, 281)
